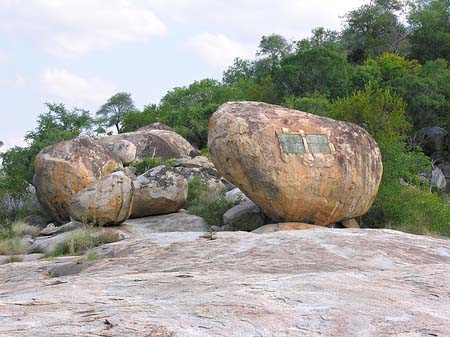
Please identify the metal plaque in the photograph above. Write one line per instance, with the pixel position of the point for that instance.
(318, 144)
(291, 143)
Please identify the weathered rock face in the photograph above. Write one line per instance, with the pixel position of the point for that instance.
(294, 165)
(153, 143)
(124, 150)
(155, 126)
(158, 191)
(203, 169)
(322, 282)
(64, 169)
(106, 202)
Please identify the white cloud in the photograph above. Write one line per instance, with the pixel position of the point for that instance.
(250, 19)
(75, 90)
(80, 26)
(4, 57)
(218, 49)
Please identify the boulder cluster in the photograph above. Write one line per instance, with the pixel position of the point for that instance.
(91, 180)
(286, 166)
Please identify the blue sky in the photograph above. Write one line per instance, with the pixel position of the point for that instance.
(80, 52)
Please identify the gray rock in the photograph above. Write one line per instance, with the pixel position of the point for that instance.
(174, 222)
(47, 244)
(125, 150)
(323, 282)
(51, 229)
(153, 143)
(244, 217)
(203, 169)
(32, 257)
(236, 195)
(160, 190)
(432, 139)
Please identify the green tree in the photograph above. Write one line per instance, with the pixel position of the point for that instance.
(137, 119)
(318, 70)
(115, 109)
(315, 104)
(378, 111)
(374, 29)
(56, 125)
(430, 30)
(272, 49)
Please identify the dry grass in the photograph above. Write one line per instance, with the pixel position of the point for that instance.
(82, 240)
(12, 259)
(21, 229)
(13, 246)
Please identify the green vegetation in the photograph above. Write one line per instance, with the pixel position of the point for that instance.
(82, 240)
(387, 70)
(199, 203)
(149, 163)
(12, 259)
(11, 242)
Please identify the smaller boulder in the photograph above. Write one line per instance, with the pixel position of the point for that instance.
(203, 169)
(236, 195)
(350, 223)
(244, 217)
(124, 150)
(106, 202)
(432, 139)
(174, 222)
(159, 191)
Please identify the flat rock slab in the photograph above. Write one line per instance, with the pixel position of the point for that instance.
(323, 282)
(173, 222)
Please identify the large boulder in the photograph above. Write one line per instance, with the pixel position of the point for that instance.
(106, 202)
(153, 143)
(294, 165)
(158, 191)
(203, 169)
(64, 169)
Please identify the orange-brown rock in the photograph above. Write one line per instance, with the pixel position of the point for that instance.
(294, 165)
(64, 169)
(105, 202)
(153, 143)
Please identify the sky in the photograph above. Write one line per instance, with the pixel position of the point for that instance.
(81, 52)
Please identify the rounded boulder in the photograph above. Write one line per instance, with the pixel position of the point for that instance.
(294, 165)
(64, 169)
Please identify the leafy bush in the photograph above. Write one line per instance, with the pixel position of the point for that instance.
(199, 203)
(149, 163)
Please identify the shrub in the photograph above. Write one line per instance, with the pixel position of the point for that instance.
(20, 229)
(149, 163)
(83, 240)
(199, 203)
(13, 246)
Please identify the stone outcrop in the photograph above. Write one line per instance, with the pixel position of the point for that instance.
(323, 282)
(244, 217)
(158, 191)
(64, 169)
(203, 169)
(173, 222)
(294, 165)
(105, 202)
(153, 143)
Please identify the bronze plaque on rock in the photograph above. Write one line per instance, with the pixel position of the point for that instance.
(318, 144)
(291, 143)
